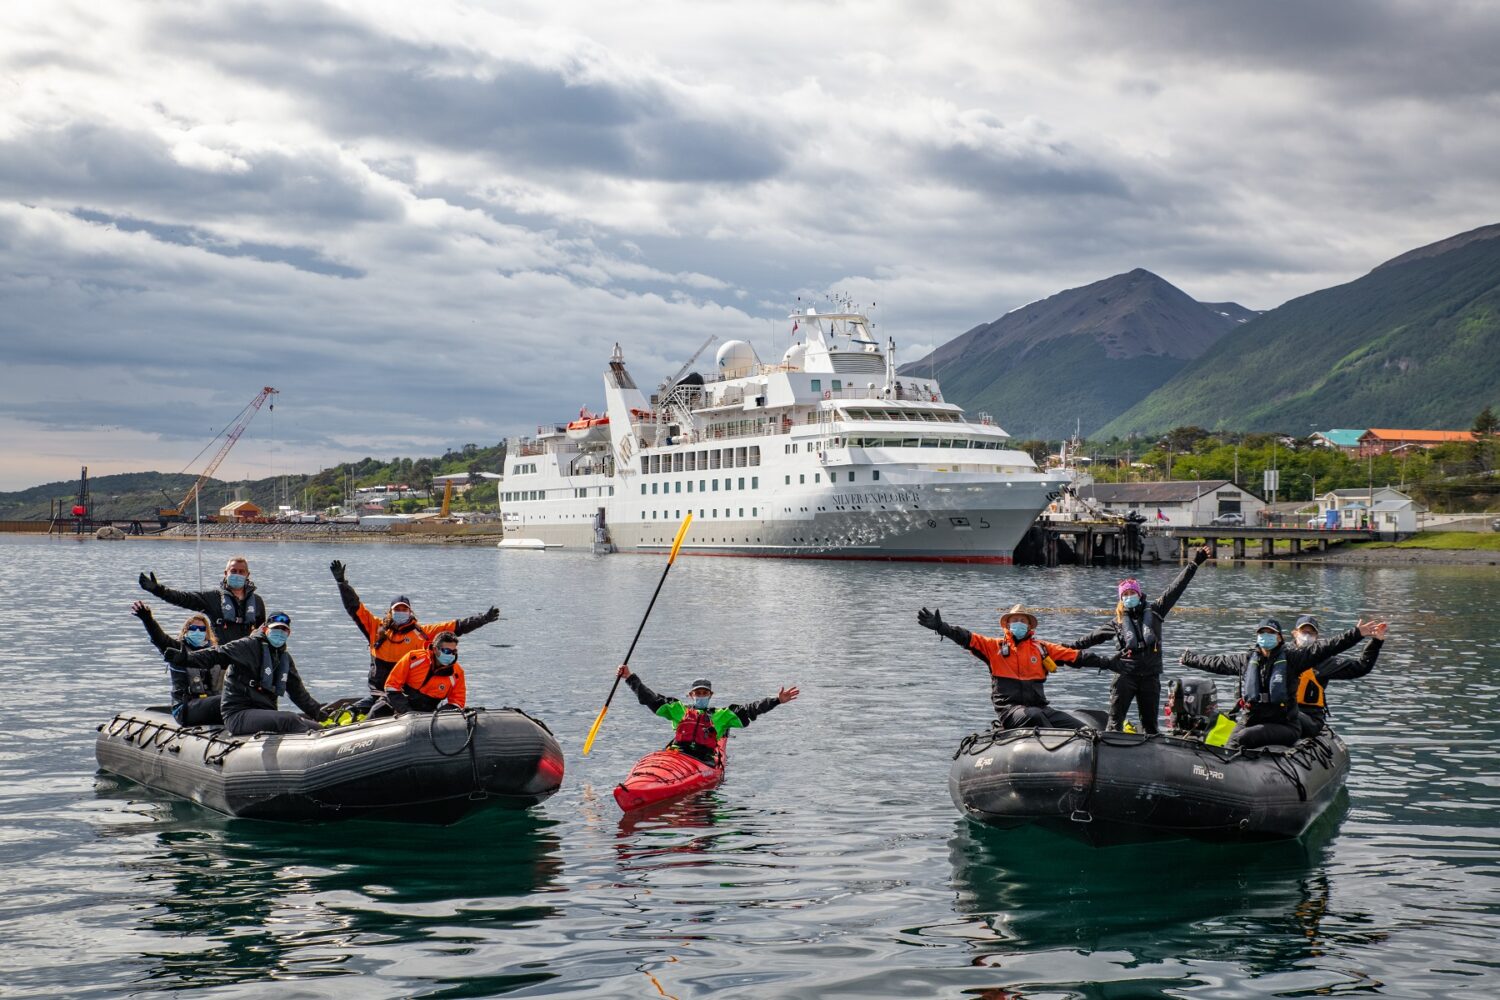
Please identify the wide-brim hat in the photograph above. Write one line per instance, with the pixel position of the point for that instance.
(1018, 611)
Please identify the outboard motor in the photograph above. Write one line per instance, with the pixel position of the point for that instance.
(1192, 705)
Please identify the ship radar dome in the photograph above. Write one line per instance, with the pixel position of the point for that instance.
(795, 356)
(736, 359)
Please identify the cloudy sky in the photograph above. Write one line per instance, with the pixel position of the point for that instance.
(427, 224)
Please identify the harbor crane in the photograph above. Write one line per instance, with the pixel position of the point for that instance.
(232, 434)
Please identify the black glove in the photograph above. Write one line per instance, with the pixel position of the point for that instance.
(149, 585)
(140, 610)
(931, 619)
(1200, 557)
(493, 614)
(338, 571)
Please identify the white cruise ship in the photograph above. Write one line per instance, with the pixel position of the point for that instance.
(826, 454)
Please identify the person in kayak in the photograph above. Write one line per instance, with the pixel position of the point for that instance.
(1019, 664)
(424, 680)
(700, 727)
(1268, 674)
(1312, 702)
(1137, 634)
(261, 670)
(396, 634)
(233, 607)
(195, 693)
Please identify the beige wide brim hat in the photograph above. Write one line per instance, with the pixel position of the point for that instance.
(1018, 611)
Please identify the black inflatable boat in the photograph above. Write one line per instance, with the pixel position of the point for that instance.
(1111, 787)
(423, 767)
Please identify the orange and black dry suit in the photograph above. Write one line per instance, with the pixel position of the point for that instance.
(1018, 671)
(388, 644)
(418, 683)
(1312, 703)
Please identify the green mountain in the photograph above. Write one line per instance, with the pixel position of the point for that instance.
(1085, 354)
(137, 495)
(1414, 343)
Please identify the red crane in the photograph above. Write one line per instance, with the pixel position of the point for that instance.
(235, 429)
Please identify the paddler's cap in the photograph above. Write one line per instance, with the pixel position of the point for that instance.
(702, 682)
(1307, 621)
(1018, 611)
(1269, 623)
(280, 620)
(400, 601)
(1127, 586)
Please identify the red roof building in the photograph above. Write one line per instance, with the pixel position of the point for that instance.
(1380, 440)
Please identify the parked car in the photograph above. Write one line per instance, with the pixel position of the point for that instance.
(1230, 520)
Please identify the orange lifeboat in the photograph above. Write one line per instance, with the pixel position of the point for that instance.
(588, 426)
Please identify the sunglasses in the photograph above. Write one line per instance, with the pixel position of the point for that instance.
(197, 628)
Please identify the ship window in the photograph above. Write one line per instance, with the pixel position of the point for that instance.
(643, 489)
(755, 512)
(692, 462)
(645, 465)
(653, 515)
(875, 474)
(910, 443)
(716, 485)
(801, 478)
(677, 462)
(837, 385)
(716, 512)
(742, 482)
(678, 488)
(817, 477)
(690, 486)
(611, 491)
(700, 511)
(702, 460)
(653, 489)
(817, 384)
(755, 482)
(643, 515)
(851, 477)
(703, 486)
(742, 512)
(755, 454)
(741, 458)
(789, 480)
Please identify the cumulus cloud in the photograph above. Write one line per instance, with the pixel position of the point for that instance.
(430, 226)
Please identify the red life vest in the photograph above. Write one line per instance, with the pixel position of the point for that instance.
(697, 728)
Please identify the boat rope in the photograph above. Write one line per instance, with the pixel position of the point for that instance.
(469, 716)
(1082, 814)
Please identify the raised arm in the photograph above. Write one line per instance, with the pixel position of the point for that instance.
(1304, 657)
(647, 697)
(1167, 600)
(1228, 664)
(159, 639)
(463, 626)
(353, 606)
(203, 601)
(1103, 633)
(934, 620)
(746, 714)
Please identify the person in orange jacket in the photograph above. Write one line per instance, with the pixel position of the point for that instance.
(1019, 664)
(396, 634)
(424, 680)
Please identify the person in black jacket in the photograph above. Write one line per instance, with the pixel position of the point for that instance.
(1137, 633)
(233, 607)
(699, 727)
(1312, 704)
(1267, 677)
(195, 691)
(261, 670)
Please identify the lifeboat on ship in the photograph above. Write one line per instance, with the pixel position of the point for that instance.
(588, 427)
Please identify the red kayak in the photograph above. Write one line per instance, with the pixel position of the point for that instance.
(667, 774)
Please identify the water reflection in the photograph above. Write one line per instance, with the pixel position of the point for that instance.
(1264, 904)
(244, 901)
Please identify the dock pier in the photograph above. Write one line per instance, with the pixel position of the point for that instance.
(1124, 543)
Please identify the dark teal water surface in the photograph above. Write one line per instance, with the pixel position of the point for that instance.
(831, 862)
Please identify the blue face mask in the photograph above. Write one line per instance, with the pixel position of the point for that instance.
(1131, 601)
(1020, 630)
(196, 637)
(276, 637)
(446, 657)
(235, 580)
(1267, 640)
(400, 617)
(700, 703)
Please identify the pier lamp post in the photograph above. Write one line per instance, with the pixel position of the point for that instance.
(1312, 488)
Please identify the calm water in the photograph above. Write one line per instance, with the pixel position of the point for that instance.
(830, 863)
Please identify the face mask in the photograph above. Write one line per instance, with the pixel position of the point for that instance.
(235, 580)
(197, 637)
(445, 657)
(1305, 638)
(1131, 601)
(700, 703)
(276, 637)
(400, 617)
(1266, 640)
(1019, 630)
